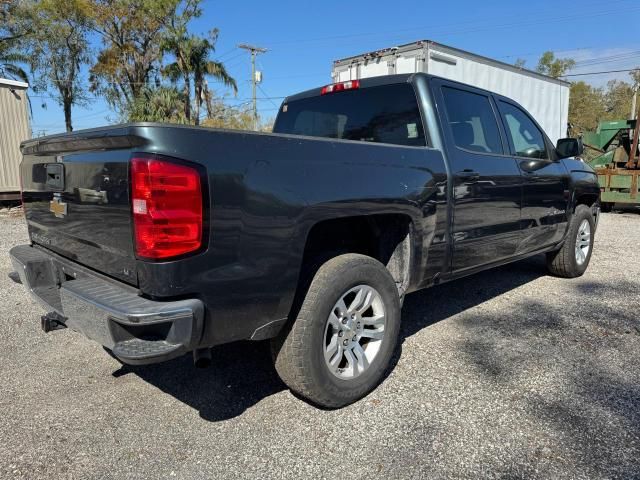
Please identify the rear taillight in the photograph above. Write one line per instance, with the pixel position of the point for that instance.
(166, 200)
(340, 87)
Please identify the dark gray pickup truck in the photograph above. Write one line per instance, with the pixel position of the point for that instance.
(158, 240)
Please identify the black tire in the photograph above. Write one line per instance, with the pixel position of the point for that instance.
(563, 262)
(297, 351)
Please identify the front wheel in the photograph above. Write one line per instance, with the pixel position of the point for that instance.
(341, 343)
(573, 258)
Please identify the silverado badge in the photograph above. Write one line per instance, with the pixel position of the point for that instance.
(58, 207)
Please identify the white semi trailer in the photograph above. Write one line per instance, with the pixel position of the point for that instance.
(546, 98)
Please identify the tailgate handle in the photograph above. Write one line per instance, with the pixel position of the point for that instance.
(55, 176)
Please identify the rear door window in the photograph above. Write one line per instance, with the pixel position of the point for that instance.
(384, 114)
(472, 120)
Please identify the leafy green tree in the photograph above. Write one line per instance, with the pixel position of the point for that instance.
(221, 115)
(635, 76)
(520, 63)
(587, 107)
(554, 67)
(157, 104)
(13, 26)
(129, 60)
(58, 50)
(618, 99)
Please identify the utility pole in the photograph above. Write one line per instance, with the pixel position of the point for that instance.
(633, 133)
(254, 77)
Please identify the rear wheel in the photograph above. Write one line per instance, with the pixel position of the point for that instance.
(573, 258)
(339, 346)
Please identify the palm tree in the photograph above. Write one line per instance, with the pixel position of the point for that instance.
(180, 46)
(202, 67)
(192, 62)
(9, 65)
(12, 32)
(160, 104)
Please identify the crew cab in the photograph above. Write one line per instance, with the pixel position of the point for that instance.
(156, 240)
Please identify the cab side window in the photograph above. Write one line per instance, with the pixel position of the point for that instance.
(472, 121)
(526, 138)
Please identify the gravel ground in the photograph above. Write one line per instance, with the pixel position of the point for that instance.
(506, 374)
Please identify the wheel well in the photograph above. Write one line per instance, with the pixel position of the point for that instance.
(587, 199)
(385, 237)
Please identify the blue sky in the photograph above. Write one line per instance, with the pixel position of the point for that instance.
(304, 38)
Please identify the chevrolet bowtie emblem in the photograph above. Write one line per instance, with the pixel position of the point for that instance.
(58, 208)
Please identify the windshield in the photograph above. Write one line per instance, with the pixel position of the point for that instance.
(384, 114)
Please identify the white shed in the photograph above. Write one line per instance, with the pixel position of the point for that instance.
(14, 128)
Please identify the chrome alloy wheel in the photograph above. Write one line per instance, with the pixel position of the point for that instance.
(583, 242)
(354, 332)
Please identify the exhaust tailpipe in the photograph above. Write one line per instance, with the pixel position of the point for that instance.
(202, 357)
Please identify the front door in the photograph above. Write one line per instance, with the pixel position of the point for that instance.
(487, 180)
(545, 181)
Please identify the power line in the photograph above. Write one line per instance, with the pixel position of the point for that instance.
(224, 109)
(554, 50)
(306, 75)
(483, 24)
(263, 98)
(230, 59)
(221, 56)
(267, 97)
(74, 118)
(609, 59)
(602, 73)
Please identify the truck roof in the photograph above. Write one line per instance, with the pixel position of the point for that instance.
(364, 82)
(389, 80)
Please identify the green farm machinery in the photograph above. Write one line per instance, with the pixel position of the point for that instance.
(618, 163)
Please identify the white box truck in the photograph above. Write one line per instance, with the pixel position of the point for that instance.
(546, 98)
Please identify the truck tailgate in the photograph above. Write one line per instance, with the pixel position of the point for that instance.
(76, 199)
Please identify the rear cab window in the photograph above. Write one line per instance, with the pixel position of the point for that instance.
(381, 114)
(472, 121)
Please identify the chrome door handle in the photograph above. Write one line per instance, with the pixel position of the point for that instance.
(468, 174)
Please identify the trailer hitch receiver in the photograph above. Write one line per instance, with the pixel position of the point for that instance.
(52, 321)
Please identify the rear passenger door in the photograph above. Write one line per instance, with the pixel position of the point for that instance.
(545, 181)
(487, 182)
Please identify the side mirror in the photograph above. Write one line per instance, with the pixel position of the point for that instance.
(569, 147)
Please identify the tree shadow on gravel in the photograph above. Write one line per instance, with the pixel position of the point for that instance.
(432, 305)
(590, 395)
(241, 374)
